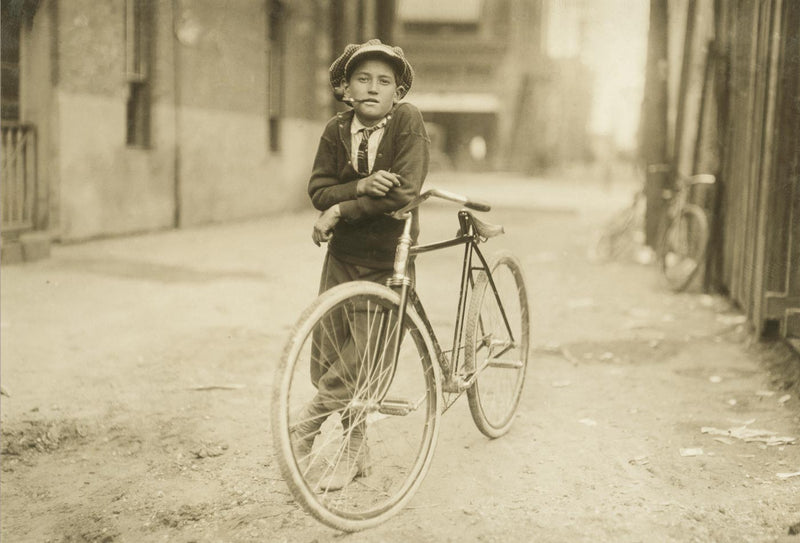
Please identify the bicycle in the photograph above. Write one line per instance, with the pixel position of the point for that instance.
(684, 234)
(405, 379)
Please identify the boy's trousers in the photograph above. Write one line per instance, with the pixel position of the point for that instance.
(338, 367)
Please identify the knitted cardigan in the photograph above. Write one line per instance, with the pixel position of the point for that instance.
(366, 235)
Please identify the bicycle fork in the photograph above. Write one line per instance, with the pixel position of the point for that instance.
(400, 280)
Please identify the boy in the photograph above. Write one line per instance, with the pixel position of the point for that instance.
(371, 160)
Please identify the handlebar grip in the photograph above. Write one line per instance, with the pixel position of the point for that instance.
(477, 205)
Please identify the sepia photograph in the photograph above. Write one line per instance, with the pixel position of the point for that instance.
(396, 271)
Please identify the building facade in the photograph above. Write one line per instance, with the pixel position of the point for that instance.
(492, 96)
(130, 116)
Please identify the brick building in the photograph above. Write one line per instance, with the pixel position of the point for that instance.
(127, 116)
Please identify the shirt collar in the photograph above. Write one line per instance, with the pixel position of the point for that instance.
(356, 125)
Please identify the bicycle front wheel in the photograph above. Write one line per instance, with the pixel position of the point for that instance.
(496, 345)
(355, 436)
(683, 247)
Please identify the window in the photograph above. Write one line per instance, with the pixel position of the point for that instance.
(275, 74)
(138, 34)
(138, 114)
(10, 18)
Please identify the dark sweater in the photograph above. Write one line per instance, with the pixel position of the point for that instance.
(366, 235)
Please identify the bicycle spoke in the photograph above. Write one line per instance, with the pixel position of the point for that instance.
(496, 347)
(353, 335)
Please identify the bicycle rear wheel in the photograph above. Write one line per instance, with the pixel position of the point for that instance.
(391, 411)
(683, 247)
(496, 345)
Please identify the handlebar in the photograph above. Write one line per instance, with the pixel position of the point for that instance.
(685, 182)
(699, 179)
(695, 179)
(467, 202)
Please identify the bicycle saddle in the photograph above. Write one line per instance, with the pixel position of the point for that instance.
(484, 229)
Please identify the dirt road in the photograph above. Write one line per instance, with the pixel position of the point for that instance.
(138, 374)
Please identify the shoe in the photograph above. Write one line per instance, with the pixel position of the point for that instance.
(302, 444)
(354, 462)
(303, 432)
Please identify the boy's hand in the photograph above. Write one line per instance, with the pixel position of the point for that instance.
(377, 184)
(323, 228)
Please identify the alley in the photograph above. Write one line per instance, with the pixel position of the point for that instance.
(137, 375)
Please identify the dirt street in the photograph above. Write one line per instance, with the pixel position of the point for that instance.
(138, 376)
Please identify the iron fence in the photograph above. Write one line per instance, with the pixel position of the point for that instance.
(18, 177)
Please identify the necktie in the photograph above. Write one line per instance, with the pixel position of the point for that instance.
(363, 147)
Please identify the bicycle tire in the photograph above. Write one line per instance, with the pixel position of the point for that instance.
(683, 247)
(402, 446)
(495, 395)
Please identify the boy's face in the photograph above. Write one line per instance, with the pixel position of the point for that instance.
(374, 91)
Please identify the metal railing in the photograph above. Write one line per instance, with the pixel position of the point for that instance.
(18, 181)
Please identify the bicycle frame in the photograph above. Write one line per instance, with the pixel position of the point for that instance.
(467, 236)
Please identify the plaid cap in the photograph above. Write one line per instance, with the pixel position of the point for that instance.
(341, 68)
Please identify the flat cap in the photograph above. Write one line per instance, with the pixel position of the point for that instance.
(342, 67)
